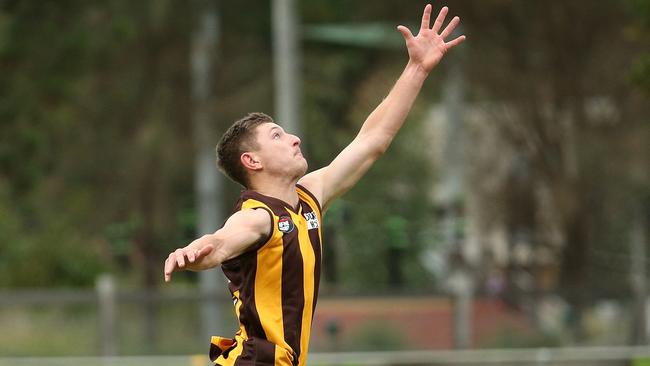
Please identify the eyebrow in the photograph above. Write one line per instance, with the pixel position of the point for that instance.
(275, 128)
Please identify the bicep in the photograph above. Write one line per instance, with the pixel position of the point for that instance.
(240, 232)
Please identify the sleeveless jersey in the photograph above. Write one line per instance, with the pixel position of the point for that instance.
(274, 286)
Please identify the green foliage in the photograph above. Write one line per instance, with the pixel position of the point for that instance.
(382, 222)
(641, 68)
(345, 86)
(641, 361)
(83, 138)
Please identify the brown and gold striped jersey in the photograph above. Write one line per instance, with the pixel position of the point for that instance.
(274, 286)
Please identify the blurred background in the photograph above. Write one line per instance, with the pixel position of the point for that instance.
(507, 223)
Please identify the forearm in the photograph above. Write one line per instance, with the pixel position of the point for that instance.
(385, 121)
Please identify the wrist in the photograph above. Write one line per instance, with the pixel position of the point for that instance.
(416, 70)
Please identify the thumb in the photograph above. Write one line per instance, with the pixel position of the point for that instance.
(406, 33)
(205, 251)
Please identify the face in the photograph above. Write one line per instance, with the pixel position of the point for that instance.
(279, 152)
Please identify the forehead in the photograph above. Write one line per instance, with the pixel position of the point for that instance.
(267, 127)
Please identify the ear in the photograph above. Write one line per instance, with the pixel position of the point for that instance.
(250, 161)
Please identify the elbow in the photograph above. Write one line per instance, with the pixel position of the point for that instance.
(378, 148)
(379, 151)
(376, 144)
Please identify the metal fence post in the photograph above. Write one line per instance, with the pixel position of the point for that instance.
(107, 306)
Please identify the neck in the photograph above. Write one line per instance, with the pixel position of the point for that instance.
(285, 191)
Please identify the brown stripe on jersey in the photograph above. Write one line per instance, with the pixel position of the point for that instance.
(256, 351)
(293, 296)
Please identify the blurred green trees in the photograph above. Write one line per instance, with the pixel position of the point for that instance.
(567, 135)
(640, 30)
(93, 138)
(96, 153)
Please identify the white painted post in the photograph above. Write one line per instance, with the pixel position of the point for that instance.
(286, 65)
(107, 306)
(207, 180)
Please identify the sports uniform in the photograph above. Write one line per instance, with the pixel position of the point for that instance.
(274, 285)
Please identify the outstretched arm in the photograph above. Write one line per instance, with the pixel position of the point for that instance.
(425, 51)
(243, 229)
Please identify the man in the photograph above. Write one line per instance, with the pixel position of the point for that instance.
(270, 248)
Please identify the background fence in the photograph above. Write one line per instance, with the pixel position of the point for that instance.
(109, 321)
(596, 356)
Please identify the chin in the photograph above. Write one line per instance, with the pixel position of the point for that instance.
(303, 169)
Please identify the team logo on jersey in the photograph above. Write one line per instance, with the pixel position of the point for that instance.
(312, 220)
(285, 224)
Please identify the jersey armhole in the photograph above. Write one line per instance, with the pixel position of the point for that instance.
(260, 243)
(313, 198)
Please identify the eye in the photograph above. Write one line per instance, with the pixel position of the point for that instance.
(276, 135)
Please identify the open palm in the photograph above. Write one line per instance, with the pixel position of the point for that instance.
(428, 47)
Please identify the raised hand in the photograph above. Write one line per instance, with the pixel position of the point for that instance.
(429, 46)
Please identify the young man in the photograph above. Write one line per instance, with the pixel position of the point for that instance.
(270, 248)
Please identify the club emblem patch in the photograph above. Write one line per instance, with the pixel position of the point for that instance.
(285, 224)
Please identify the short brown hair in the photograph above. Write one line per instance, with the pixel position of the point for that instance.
(238, 139)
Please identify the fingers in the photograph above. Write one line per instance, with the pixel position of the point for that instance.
(426, 17)
(440, 19)
(450, 27)
(191, 255)
(180, 258)
(456, 41)
(406, 33)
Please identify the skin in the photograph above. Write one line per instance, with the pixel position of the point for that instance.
(277, 165)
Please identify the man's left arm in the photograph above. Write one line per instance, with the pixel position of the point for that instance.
(425, 51)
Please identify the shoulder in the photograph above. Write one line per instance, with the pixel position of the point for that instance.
(257, 219)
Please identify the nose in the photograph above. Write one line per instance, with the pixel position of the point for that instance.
(296, 140)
